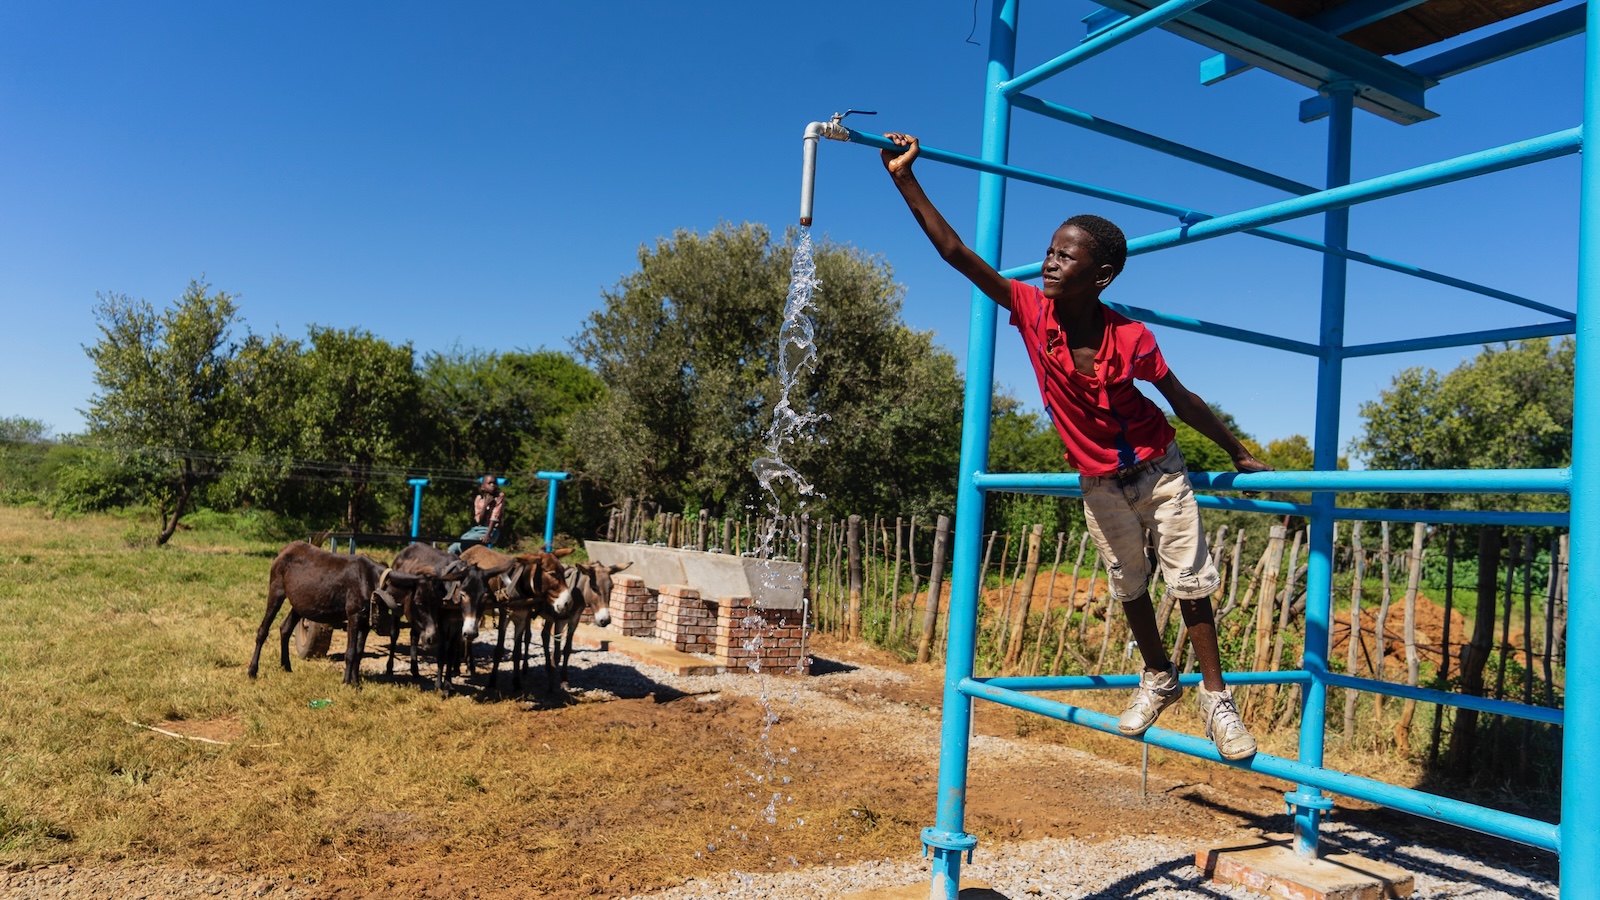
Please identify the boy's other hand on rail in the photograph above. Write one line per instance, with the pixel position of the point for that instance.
(900, 163)
(1247, 464)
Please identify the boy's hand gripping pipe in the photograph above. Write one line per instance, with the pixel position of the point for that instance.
(808, 172)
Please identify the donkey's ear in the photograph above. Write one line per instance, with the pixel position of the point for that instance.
(455, 570)
(616, 569)
(564, 551)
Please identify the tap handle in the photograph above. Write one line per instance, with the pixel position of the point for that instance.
(839, 116)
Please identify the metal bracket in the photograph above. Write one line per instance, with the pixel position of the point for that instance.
(1306, 799)
(938, 838)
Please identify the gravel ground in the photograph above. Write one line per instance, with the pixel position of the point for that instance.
(1145, 867)
(1148, 867)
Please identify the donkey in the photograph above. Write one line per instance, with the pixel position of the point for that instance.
(591, 584)
(534, 585)
(458, 613)
(339, 590)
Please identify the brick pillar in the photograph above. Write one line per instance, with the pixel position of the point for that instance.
(685, 622)
(781, 648)
(633, 607)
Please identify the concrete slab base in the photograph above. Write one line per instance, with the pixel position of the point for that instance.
(1272, 867)
(675, 662)
(970, 890)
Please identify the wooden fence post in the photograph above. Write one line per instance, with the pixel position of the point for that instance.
(894, 587)
(1072, 604)
(930, 616)
(1049, 601)
(854, 540)
(1380, 652)
(1283, 616)
(1020, 619)
(916, 577)
(1550, 622)
(1444, 640)
(1352, 657)
(1402, 731)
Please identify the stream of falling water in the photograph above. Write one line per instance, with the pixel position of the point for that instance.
(797, 356)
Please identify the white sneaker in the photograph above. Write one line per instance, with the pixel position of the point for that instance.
(1156, 692)
(1223, 725)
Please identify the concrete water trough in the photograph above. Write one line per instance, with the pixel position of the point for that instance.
(772, 584)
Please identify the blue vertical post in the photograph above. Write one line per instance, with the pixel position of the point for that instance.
(1307, 802)
(416, 503)
(947, 839)
(1580, 763)
(554, 478)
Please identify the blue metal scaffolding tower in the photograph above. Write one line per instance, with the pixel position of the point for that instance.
(1319, 52)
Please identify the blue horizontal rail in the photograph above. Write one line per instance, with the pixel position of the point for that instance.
(1519, 518)
(1446, 698)
(1149, 141)
(868, 139)
(1105, 40)
(1103, 682)
(1464, 339)
(1184, 323)
(1446, 481)
(1495, 159)
(1440, 809)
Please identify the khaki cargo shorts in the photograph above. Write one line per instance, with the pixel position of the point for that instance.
(1156, 497)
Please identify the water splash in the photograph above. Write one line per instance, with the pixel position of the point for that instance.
(797, 356)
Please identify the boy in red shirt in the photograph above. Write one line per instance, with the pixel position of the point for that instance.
(1134, 480)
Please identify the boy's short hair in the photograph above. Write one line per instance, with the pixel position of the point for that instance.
(1110, 244)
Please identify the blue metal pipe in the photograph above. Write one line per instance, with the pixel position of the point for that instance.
(1113, 682)
(416, 503)
(1184, 323)
(1518, 39)
(1105, 40)
(554, 478)
(1159, 144)
(1451, 481)
(988, 167)
(1379, 262)
(1580, 764)
(1031, 270)
(946, 840)
(1496, 159)
(1465, 339)
(1445, 698)
(1306, 801)
(1440, 809)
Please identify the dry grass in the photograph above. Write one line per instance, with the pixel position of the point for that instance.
(96, 635)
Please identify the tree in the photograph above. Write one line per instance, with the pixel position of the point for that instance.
(161, 379)
(507, 413)
(266, 378)
(359, 408)
(1509, 407)
(686, 347)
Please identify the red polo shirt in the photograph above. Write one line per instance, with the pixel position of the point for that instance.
(1103, 420)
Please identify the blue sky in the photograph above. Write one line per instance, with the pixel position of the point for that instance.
(475, 175)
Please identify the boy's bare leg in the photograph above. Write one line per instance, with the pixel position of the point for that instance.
(1142, 622)
(1202, 624)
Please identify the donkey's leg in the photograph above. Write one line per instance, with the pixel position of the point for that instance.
(274, 602)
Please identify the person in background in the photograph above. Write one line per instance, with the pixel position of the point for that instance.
(488, 512)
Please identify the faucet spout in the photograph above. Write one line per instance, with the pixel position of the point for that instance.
(808, 171)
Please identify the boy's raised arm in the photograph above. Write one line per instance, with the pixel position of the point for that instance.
(996, 286)
(1188, 406)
